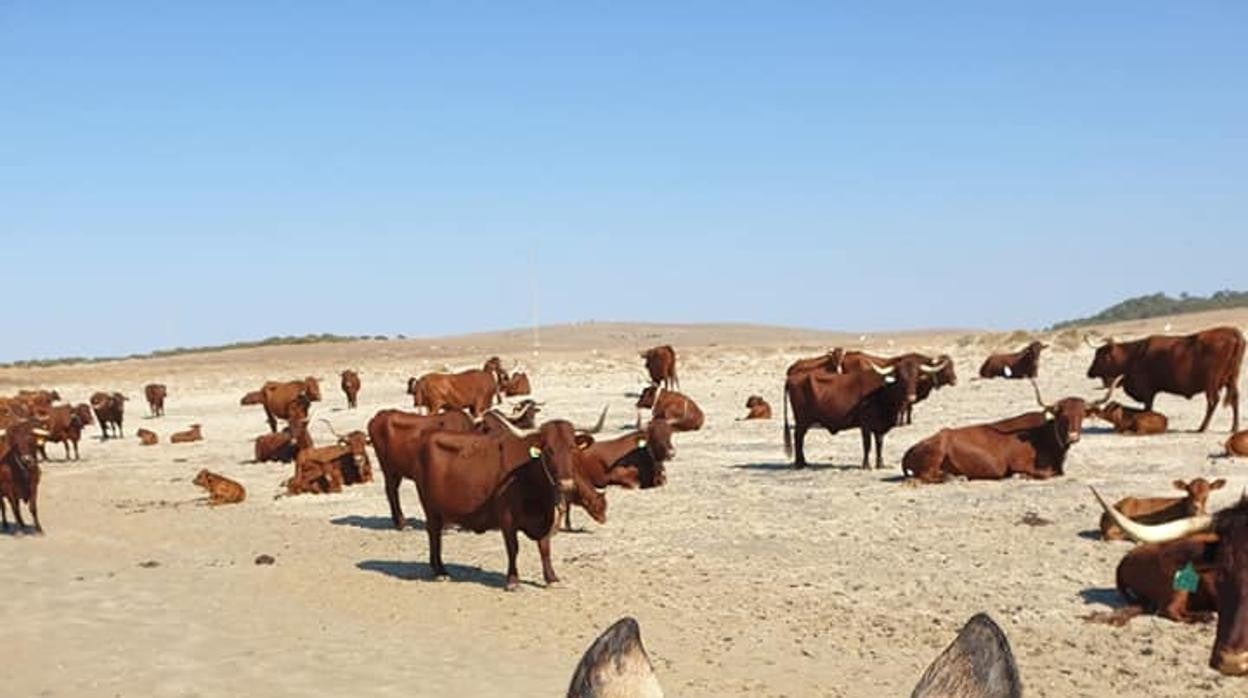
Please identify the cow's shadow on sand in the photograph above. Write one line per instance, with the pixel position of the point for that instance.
(788, 467)
(375, 523)
(420, 571)
(1105, 596)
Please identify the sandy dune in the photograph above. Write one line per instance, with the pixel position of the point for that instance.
(748, 578)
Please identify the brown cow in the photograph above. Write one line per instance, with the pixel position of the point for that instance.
(935, 373)
(524, 414)
(278, 397)
(255, 397)
(517, 384)
(494, 482)
(64, 424)
(147, 437)
(1237, 445)
(1032, 444)
(328, 468)
(758, 408)
(1155, 510)
(871, 400)
(474, 390)
(284, 445)
(188, 436)
(221, 489)
(397, 437)
(38, 400)
(351, 387)
(109, 409)
(633, 461)
(830, 362)
(155, 394)
(1129, 420)
(1024, 363)
(20, 472)
(1207, 362)
(977, 664)
(678, 409)
(661, 364)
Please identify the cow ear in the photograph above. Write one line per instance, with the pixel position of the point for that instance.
(1180, 485)
(1217, 484)
(978, 663)
(584, 441)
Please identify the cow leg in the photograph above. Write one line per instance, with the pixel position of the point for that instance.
(4, 515)
(866, 447)
(513, 548)
(1232, 397)
(392, 495)
(1176, 610)
(879, 451)
(548, 570)
(66, 443)
(799, 439)
(1211, 404)
(272, 420)
(34, 510)
(17, 510)
(567, 515)
(433, 525)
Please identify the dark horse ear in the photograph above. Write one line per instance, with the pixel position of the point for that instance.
(978, 664)
(616, 665)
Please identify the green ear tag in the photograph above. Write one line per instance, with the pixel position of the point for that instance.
(1186, 579)
(535, 452)
(641, 443)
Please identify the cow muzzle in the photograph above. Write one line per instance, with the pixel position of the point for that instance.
(1230, 662)
(1072, 436)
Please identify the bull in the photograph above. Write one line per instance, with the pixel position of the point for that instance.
(938, 373)
(1207, 361)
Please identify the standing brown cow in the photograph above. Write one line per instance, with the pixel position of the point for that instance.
(397, 437)
(64, 424)
(20, 472)
(351, 387)
(1207, 362)
(474, 390)
(277, 398)
(661, 364)
(155, 394)
(109, 409)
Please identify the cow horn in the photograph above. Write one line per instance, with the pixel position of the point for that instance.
(1155, 533)
(507, 423)
(934, 368)
(1039, 400)
(882, 371)
(1096, 346)
(602, 419)
(41, 432)
(1109, 393)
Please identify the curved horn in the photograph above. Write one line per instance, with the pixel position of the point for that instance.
(41, 432)
(602, 419)
(507, 423)
(1039, 400)
(1109, 393)
(1155, 533)
(882, 371)
(1096, 346)
(934, 368)
(331, 428)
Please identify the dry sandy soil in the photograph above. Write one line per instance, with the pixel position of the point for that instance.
(748, 578)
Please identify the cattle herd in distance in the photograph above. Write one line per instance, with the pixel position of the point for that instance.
(483, 468)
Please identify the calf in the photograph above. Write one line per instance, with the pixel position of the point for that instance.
(20, 472)
(221, 489)
(1129, 420)
(758, 408)
(683, 413)
(1156, 510)
(148, 437)
(155, 394)
(351, 387)
(186, 437)
(1237, 445)
(283, 446)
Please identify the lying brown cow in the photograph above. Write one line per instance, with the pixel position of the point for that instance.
(221, 489)
(277, 398)
(351, 387)
(328, 468)
(188, 436)
(1237, 445)
(109, 409)
(1129, 420)
(473, 390)
(148, 438)
(633, 461)
(283, 446)
(758, 408)
(20, 472)
(977, 664)
(155, 394)
(1032, 445)
(1020, 364)
(1155, 510)
(678, 409)
(517, 384)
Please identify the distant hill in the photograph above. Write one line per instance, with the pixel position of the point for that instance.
(1159, 304)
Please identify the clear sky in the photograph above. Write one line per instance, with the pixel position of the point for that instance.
(192, 173)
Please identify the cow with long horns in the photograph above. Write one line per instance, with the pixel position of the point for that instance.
(1205, 362)
(929, 380)
(1033, 444)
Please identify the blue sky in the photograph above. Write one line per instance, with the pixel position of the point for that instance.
(179, 175)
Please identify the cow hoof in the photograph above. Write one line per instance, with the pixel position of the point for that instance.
(443, 577)
(512, 585)
(554, 583)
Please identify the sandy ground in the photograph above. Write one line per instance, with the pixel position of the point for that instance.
(748, 578)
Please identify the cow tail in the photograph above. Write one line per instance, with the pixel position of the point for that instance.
(1232, 381)
(788, 434)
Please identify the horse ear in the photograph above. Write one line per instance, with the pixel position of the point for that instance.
(978, 663)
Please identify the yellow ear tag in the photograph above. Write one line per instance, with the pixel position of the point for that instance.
(535, 452)
(641, 443)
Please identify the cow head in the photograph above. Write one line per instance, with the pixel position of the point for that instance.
(649, 396)
(1068, 414)
(356, 442)
(203, 478)
(945, 375)
(754, 401)
(21, 441)
(524, 415)
(902, 376)
(494, 365)
(1112, 359)
(559, 444)
(1197, 494)
(312, 388)
(83, 412)
(1230, 645)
